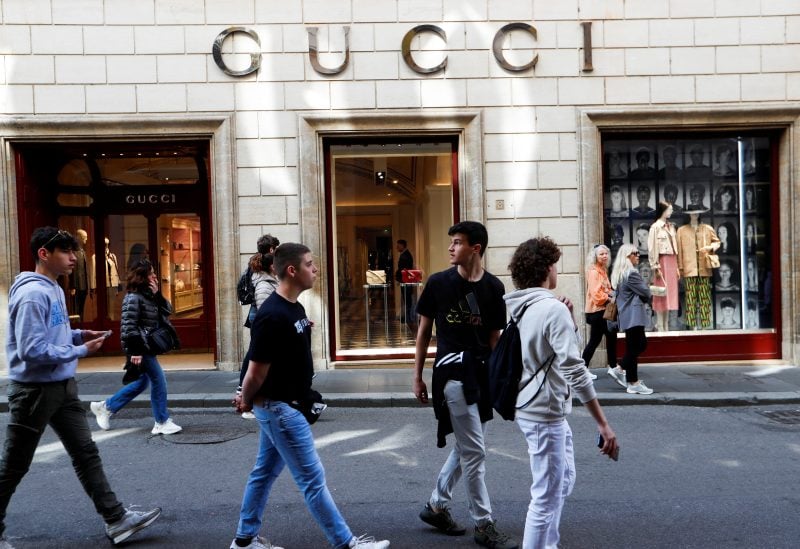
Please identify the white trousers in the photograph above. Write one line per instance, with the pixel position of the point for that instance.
(468, 454)
(553, 470)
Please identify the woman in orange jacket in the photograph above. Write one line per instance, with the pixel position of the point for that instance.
(598, 295)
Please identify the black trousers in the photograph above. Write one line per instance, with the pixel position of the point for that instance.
(635, 344)
(598, 329)
(34, 406)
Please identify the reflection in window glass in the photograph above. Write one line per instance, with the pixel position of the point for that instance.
(75, 173)
(719, 189)
(163, 169)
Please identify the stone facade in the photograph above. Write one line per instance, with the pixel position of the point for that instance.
(112, 67)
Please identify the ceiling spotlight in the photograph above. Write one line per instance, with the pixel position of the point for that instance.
(380, 178)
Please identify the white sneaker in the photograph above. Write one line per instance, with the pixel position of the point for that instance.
(256, 543)
(101, 414)
(619, 377)
(368, 542)
(639, 388)
(591, 375)
(4, 543)
(248, 415)
(167, 428)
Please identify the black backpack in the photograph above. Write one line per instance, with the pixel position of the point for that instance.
(245, 291)
(505, 371)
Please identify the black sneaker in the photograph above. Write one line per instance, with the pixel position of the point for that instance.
(442, 520)
(489, 536)
(130, 523)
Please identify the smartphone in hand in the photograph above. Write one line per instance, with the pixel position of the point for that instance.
(600, 441)
(107, 334)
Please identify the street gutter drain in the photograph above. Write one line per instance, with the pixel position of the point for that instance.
(205, 435)
(786, 417)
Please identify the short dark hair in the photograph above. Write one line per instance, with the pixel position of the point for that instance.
(267, 244)
(51, 238)
(474, 231)
(402, 242)
(532, 260)
(727, 303)
(289, 254)
(138, 274)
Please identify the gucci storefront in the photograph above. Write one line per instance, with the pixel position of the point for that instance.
(183, 133)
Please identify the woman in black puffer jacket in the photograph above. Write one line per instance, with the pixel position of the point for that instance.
(143, 310)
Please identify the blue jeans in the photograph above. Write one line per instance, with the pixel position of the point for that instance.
(151, 372)
(553, 471)
(285, 439)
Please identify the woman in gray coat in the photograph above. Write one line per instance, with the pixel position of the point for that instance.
(632, 293)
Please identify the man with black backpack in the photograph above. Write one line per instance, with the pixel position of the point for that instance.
(466, 303)
(552, 368)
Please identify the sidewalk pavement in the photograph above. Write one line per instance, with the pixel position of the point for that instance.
(678, 385)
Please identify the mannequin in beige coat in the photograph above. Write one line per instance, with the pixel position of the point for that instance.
(696, 241)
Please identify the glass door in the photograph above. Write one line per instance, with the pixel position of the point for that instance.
(391, 203)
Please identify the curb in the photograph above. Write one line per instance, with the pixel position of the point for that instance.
(405, 400)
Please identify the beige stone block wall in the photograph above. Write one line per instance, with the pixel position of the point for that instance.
(137, 60)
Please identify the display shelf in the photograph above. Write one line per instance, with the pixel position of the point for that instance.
(185, 265)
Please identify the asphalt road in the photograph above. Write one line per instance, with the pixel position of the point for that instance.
(687, 477)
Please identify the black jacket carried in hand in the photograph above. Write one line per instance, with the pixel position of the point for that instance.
(142, 312)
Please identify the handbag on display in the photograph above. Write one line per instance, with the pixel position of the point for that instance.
(611, 311)
(713, 261)
(659, 291)
(376, 277)
(411, 276)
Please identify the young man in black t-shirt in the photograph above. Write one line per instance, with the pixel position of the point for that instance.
(278, 382)
(466, 304)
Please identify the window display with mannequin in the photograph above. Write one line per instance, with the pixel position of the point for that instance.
(662, 253)
(111, 269)
(723, 193)
(695, 242)
(79, 279)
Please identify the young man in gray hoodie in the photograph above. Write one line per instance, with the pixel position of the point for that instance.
(552, 368)
(43, 353)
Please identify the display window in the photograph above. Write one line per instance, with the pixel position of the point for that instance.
(124, 202)
(391, 202)
(714, 248)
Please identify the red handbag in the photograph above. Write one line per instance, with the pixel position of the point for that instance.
(411, 276)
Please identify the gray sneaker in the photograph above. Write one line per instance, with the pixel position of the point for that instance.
(130, 523)
(490, 536)
(442, 521)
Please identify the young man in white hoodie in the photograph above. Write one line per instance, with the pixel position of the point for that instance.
(552, 368)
